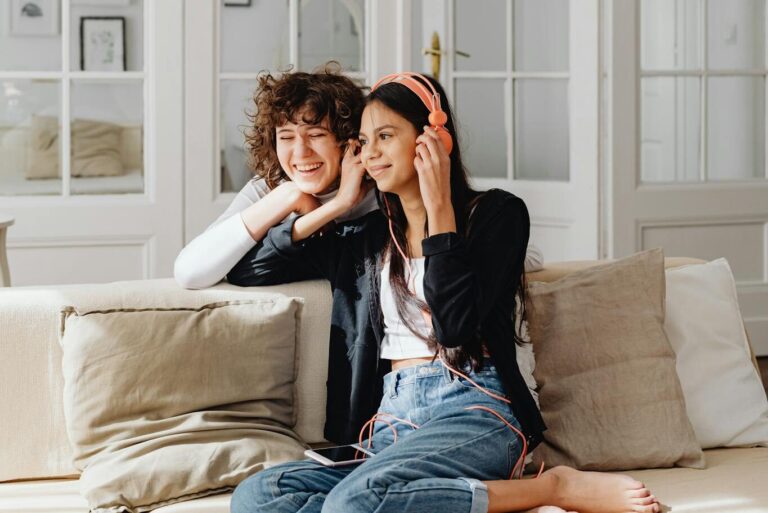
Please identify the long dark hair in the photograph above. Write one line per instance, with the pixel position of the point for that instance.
(400, 99)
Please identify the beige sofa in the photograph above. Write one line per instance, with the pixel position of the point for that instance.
(35, 453)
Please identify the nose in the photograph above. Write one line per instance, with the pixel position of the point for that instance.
(369, 150)
(302, 147)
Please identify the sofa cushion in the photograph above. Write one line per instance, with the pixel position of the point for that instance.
(168, 404)
(724, 395)
(608, 389)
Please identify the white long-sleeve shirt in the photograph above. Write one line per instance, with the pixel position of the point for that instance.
(207, 259)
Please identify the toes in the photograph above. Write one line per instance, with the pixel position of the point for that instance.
(652, 508)
(640, 492)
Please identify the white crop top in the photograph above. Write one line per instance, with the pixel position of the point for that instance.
(399, 343)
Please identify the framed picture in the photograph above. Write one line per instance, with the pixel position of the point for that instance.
(34, 17)
(102, 43)
(237, 3)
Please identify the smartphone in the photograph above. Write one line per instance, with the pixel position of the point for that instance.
(340, 455)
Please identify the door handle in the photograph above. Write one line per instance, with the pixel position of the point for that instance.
(437, 54)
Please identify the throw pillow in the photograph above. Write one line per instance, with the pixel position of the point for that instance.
(96, 148)
(163, 405)
(608, 389)
(43, 148)
(724, 395)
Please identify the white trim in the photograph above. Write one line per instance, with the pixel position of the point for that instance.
(293, 33)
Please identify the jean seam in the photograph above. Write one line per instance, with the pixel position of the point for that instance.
(289, 496)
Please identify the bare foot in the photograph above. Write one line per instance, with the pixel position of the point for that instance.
(595, 492)
(548, 509)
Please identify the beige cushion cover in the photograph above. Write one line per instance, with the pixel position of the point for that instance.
(43, 148)
(608, 389)
(171, 404)
(96, 148)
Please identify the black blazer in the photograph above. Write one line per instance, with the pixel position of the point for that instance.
(470, 285)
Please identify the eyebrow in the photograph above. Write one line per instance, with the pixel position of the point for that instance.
(379, 129)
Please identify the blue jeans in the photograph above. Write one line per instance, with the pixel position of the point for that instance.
(436, 468)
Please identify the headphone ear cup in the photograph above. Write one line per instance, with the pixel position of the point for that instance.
(445, 138)
(438, 118)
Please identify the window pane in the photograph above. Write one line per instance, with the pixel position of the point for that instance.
(482, 132)
(107, 137)
(735, 33)
(236, 101)
(29, 137)
(31, 36)
(481, 29)
(332, 30)
(670, 32)
(541, 130)
(107, 44)
(670, 129)
(254, 37)
(541, 35)
(736, 114)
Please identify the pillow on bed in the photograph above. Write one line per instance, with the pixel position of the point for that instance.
(96, 148)
(164, 404)
(608, 389)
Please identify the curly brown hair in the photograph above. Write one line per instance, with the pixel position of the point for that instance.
(281, 98)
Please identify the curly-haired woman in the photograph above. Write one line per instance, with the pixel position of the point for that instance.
(296, 143)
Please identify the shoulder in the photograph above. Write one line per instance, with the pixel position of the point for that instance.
(493, 203)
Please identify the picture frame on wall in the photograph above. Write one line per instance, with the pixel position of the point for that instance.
(34, 17)
(237, 3)
(102, 43)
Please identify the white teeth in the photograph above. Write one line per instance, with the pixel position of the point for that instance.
(309, 167)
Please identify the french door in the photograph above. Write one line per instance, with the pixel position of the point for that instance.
(91, 135)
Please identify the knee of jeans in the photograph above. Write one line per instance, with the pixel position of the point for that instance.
(250, 493)
(348, 498)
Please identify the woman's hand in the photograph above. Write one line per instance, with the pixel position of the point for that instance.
(433, 166)
(352, 188)
(299, 202)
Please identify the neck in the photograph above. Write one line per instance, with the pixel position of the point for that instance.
(415, 214)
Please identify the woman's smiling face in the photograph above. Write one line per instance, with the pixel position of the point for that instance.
(388, 143)
(309, 154)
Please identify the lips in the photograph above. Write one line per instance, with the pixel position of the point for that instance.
(307, 168)
(377, 170)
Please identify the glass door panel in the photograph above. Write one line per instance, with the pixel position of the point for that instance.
(541, 35)
(332, 30)
(31, 35)
(253, 37)
(481, 32)
(482, 133)
(30, 130)
(541, 130)
(106, 137)
(236, 103)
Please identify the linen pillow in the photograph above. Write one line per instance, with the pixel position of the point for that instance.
(608, 389)
(724, 395)
(96, 148)
(163, 405)
(43, 148)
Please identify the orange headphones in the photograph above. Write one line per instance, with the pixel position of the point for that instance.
(430, 97)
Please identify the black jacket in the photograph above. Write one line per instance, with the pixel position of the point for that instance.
(469, 284)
